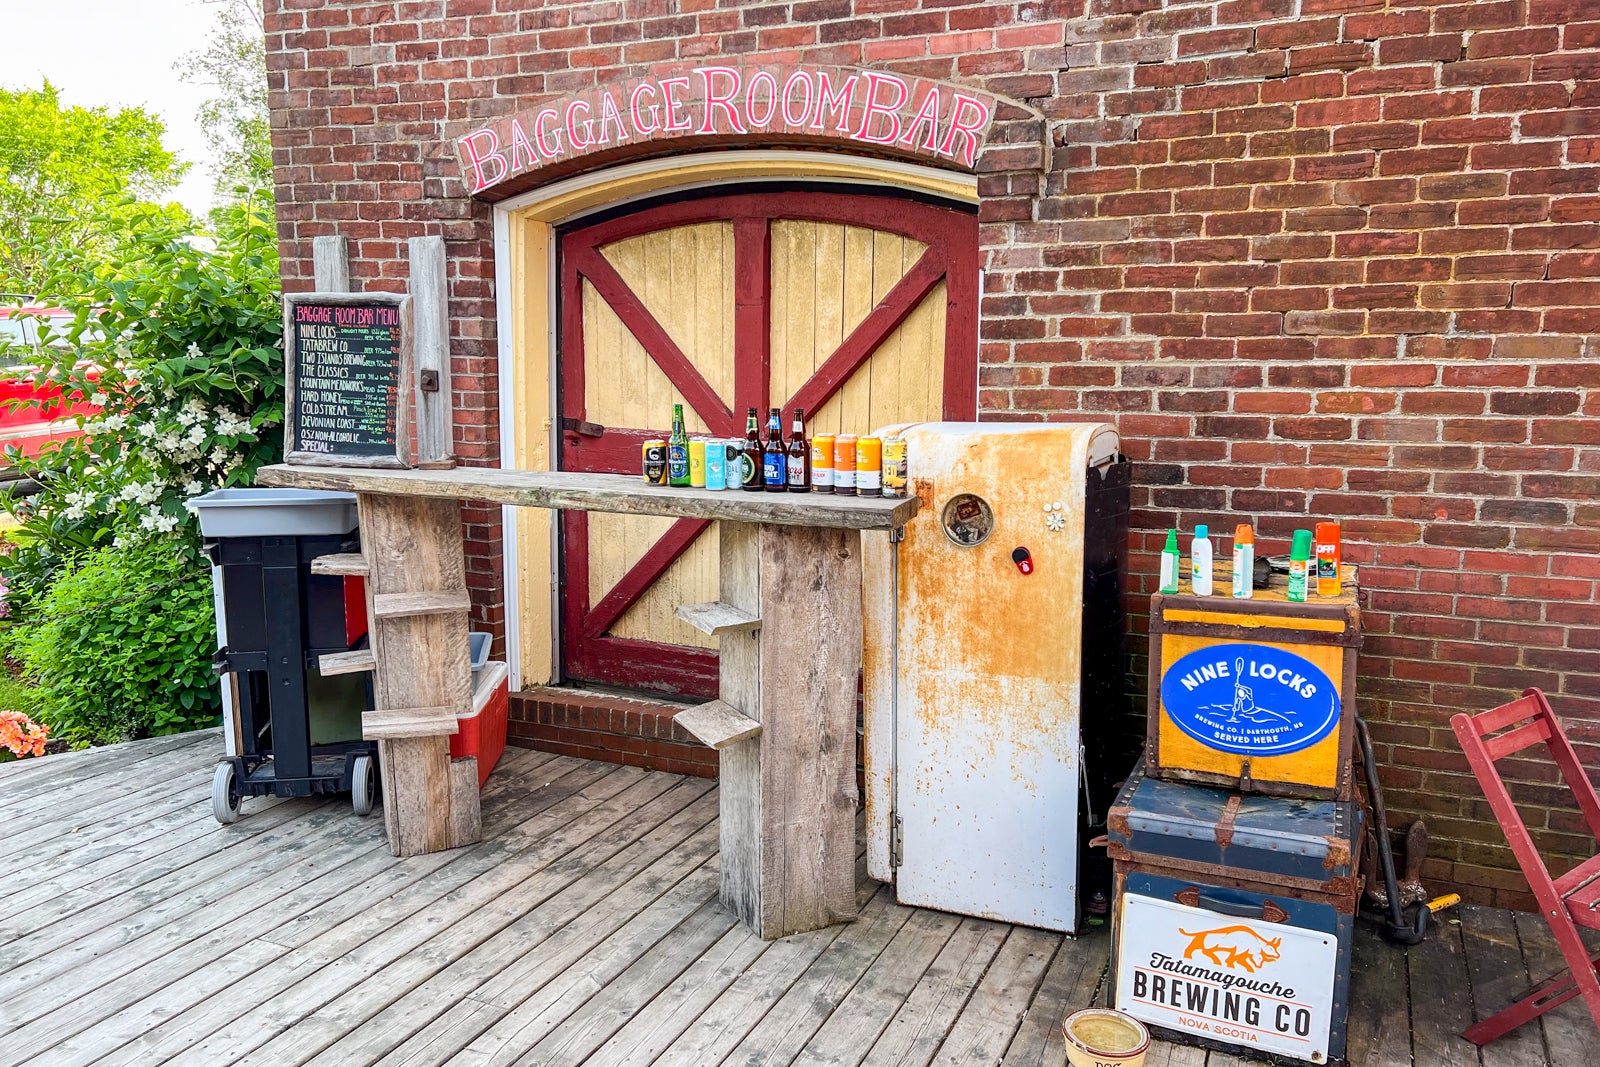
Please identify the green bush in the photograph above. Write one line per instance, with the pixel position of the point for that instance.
(120, 645)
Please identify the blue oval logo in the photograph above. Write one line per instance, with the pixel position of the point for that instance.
(1251, 700)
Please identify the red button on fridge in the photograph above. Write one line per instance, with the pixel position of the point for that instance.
(1024, 561)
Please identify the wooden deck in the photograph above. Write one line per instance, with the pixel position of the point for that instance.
(584, 928)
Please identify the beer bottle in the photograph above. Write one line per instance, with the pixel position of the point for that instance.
(773, 470)
(750, 475)
(799, 456)
(678, 450)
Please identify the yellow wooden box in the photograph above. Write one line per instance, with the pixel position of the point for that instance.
(1256, 695)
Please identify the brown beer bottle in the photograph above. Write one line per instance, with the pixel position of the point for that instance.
(750, 458)
(798, 468)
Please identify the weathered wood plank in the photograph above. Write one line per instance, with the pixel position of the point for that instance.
(1069, 984)
(353, 564)
(399, 605)
(717, 723)
(717, 618)
(921, 1022)
(1379, 1035)
(861, 1018)
(987, 1024)
(620, 493)
(358, 662)
(330, 264)
(1569, 1031)
(386, 724)
(1499, 978)
(1437, 973)
(430, 298)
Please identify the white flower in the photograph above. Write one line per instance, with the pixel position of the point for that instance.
(231, 425)
(219, 455)
(147, 429)
(187, 418)
(194, 351)
(196, 405)
(167, 442)
(192, 486)
(99, 399)
(114, 422)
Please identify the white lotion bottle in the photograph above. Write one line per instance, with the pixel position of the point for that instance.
(1200, 561)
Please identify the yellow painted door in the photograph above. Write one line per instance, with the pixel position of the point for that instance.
(859, 309)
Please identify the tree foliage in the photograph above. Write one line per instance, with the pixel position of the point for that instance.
(235, 118)
(56, 161)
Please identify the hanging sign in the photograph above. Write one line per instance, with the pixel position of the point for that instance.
(347, 357)
(1250, 700)
(872, 108)
(1267, 987)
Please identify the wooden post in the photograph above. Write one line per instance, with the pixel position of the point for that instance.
(416, 587)
(330, 265)
(789, 794)
(430, 301)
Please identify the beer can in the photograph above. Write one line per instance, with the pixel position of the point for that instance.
(697, 463)
(869, 466)
(844, 464)
(655, 462)
(822, 463)
(716, 463)
(894, 466)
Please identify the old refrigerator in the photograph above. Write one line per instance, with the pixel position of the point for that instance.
(992, 660)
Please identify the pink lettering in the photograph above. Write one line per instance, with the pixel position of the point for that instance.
(889, 111)
(789, 116)
(572, 125)
(714, 100)
(968, 129)
(549, 148)
(480, 160)
(610, 116)
(521, 147)
(828, 103)
(927, 115)
(758, 78)
(655, 110)
(675, 122)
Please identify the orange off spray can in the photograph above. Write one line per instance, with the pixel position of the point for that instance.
(1327, 559)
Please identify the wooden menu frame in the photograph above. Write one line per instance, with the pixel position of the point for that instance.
(402, 456)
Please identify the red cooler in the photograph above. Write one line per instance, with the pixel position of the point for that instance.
(483, 732)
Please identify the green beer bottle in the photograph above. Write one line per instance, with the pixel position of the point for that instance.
(678, 451)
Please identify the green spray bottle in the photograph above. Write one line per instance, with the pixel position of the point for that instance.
(1299, 565)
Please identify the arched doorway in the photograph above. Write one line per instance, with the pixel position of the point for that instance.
(860, 308)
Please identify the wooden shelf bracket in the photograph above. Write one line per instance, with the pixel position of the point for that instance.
(718, 724)
(717, 618)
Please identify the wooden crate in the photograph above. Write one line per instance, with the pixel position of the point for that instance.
(1256, 695)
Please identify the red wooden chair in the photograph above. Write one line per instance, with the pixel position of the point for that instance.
(1568, 902)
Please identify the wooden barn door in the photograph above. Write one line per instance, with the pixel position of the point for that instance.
(860, 309)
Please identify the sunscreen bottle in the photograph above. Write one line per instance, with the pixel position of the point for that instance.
(1244, 560)
(1169, 563)
(1299, 565)
(1200, 561)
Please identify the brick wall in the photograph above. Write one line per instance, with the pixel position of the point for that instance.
(1327, 258)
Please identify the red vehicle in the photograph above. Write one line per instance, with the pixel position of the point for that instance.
(28, 427)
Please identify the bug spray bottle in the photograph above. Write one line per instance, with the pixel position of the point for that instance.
(1244, 560)
(1169, 563)
(1200, 561)
(1299, 565)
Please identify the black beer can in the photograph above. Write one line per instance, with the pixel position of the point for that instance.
(655, 462)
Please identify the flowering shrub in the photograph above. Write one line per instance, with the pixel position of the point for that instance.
(176, 341)
(20, 735)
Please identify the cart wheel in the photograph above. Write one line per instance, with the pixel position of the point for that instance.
(363, 785)
(224, 794)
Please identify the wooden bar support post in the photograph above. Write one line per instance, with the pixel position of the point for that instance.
(789, 793)
(413, 547)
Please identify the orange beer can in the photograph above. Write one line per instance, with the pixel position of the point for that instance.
(869, 466)
(844, 464)
(822, 463)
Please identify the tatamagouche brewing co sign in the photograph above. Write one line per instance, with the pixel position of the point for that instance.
(872, 108)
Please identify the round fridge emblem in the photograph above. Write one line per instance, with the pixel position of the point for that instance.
(1251, 700)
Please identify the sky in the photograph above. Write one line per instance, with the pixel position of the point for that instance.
(117, 53)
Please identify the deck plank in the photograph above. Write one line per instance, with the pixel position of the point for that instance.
(1436, 973)
(1499, 977)
(985, 1027)
(1379, 1033)
(1069, 984)
(1569, 1031)
(919, 1027)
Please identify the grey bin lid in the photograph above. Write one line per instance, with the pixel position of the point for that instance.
(274, 512)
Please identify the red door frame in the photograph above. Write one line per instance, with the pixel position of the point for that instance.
(952, 239)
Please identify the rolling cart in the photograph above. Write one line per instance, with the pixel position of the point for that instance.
(292, 729)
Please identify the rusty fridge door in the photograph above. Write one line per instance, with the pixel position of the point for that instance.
(973, 669)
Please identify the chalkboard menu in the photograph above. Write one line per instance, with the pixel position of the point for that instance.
(348, 360)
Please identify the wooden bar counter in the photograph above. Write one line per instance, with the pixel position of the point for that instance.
(789, 626)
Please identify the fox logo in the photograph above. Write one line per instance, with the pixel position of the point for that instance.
(1233, 947)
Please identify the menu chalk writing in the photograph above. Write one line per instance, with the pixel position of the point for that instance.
(348, 379)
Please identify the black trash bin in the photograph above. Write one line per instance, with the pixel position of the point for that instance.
(298, 731)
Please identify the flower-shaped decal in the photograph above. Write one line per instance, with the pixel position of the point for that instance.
(1054, 520)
